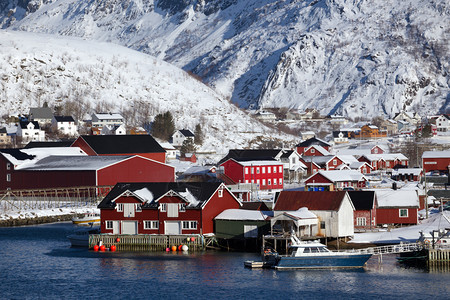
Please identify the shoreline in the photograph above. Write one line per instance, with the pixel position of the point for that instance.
(12, 222)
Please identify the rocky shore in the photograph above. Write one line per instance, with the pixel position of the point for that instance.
(33, 221)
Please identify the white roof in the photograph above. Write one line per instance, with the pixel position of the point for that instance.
(357, 164)
(342, 175)
(302, 213)
(397, 198)
(414, 171)
(242, 214)
(386, 156)
(41, 153)
(321, 150)
(74, 163)
(145, 194)
(347, 158)
(436, 154)
(258, 163)
(108, 116)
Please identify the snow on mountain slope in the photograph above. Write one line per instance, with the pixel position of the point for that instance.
(86, 76)
(355, 57)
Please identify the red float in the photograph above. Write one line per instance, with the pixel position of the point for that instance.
(118, 240)
(96, 248)
(112, 248)
(174, 248)
(179, 247)
(102, 248)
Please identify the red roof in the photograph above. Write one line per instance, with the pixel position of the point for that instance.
(294, 200)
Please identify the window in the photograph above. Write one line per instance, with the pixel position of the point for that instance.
(257, 170)
(269, 169)
(361, 221)
(280, 169)
(189, 225)
(334, 162)
(246, 180)
(322, 224)
(263, 170)
(274, 169)
(8, 166)
(403, 213)
(151, 224)
(163, 207)
(109, 224)
(263, 182)
(280, 181)
(257, 181)
(274, 181)
(220, 193)
(8, 177)
(269, 182)
(119, 206)
(182, 207)
(252, 170)
(246, 170)
(313, 150)
(138, 207)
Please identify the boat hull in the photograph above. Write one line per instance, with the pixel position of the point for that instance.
(85, 221)
(322, 262)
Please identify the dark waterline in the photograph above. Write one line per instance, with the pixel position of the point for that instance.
(37, 262)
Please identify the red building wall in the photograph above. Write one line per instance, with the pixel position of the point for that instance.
(370, 216)
(136, 169)
(311, 152)
(215, 206)
(234, 171)
(318, 178)
(392, 216)
(436, 164)
(81, 143)
(334, 163)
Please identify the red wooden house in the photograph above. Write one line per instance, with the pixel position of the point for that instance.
(268, 174)
(142, 145)
(164, 208)
(385, 161)
(335, 180)
(316, 150)
(397, 206)
(301, 147)
(328, 162)
(436, 161)
(365, 214)
(20, 172)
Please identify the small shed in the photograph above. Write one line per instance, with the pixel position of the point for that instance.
(242, 224)
(301, 221)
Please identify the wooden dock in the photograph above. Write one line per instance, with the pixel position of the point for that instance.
(150, 242)
(439, 255)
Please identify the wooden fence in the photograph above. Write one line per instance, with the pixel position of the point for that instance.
(148, 242)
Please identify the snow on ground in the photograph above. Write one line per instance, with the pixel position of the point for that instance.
(35, 213)
(406, 234)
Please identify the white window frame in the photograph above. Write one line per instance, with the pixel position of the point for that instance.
(8, 177)
(403, 210)
(246, 170)
(313, 150)
(263, 182)
(138, 207)
(269, 182)
(220, 193)
(151, 224)
(188, 225)
(109, 224)
(182, 207)
(269, 170)
(163, 207)
(274, 181)
(8, 166)
(361, 221)
(280, 169)
(274, 169)
(120, 207)
(263, 170)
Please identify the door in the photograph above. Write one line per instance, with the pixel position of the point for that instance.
(128, 210)
(129, 227)
(172, 227)
(116, 227)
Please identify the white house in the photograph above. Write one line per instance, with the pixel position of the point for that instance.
(181, 135)
(30, 131)
(114, 130)
(443, 123)
(100, 120)
(266, 116)
(65, 125)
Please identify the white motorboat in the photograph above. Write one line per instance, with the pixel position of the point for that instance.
(86, 219)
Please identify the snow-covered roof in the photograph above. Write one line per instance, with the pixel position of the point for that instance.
(347, 158)
(257, 163)
(111, 116)
(144, 194)
(397, 198)
(74, 163)
(41, 153)
(385, 156)
(342, 175)
(320, 149)
(242, 214)
(302, 213)
(401, 171)
(436, 154)
(357, 164)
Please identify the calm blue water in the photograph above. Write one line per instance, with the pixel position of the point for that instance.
(37, 262)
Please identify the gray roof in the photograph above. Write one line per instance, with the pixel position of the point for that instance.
(41, 113)
(75, 163)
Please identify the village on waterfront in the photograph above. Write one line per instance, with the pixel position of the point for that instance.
(361, 185)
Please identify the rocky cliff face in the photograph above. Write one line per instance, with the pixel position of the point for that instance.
(357, 58)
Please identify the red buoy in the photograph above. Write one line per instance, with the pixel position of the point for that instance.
(192, 239)
(112, 248)
(179, 247)
(102, 248)
(96, 248)
(118, 240)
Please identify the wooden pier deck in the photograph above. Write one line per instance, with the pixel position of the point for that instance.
(150, 242)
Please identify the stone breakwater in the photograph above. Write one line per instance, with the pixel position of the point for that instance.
(33, 221)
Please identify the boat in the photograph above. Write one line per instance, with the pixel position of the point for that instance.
(314, 255)
(86, 218)
(80, 237)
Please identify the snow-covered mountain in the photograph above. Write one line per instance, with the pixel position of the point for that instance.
(86, 76)
(354, 57)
